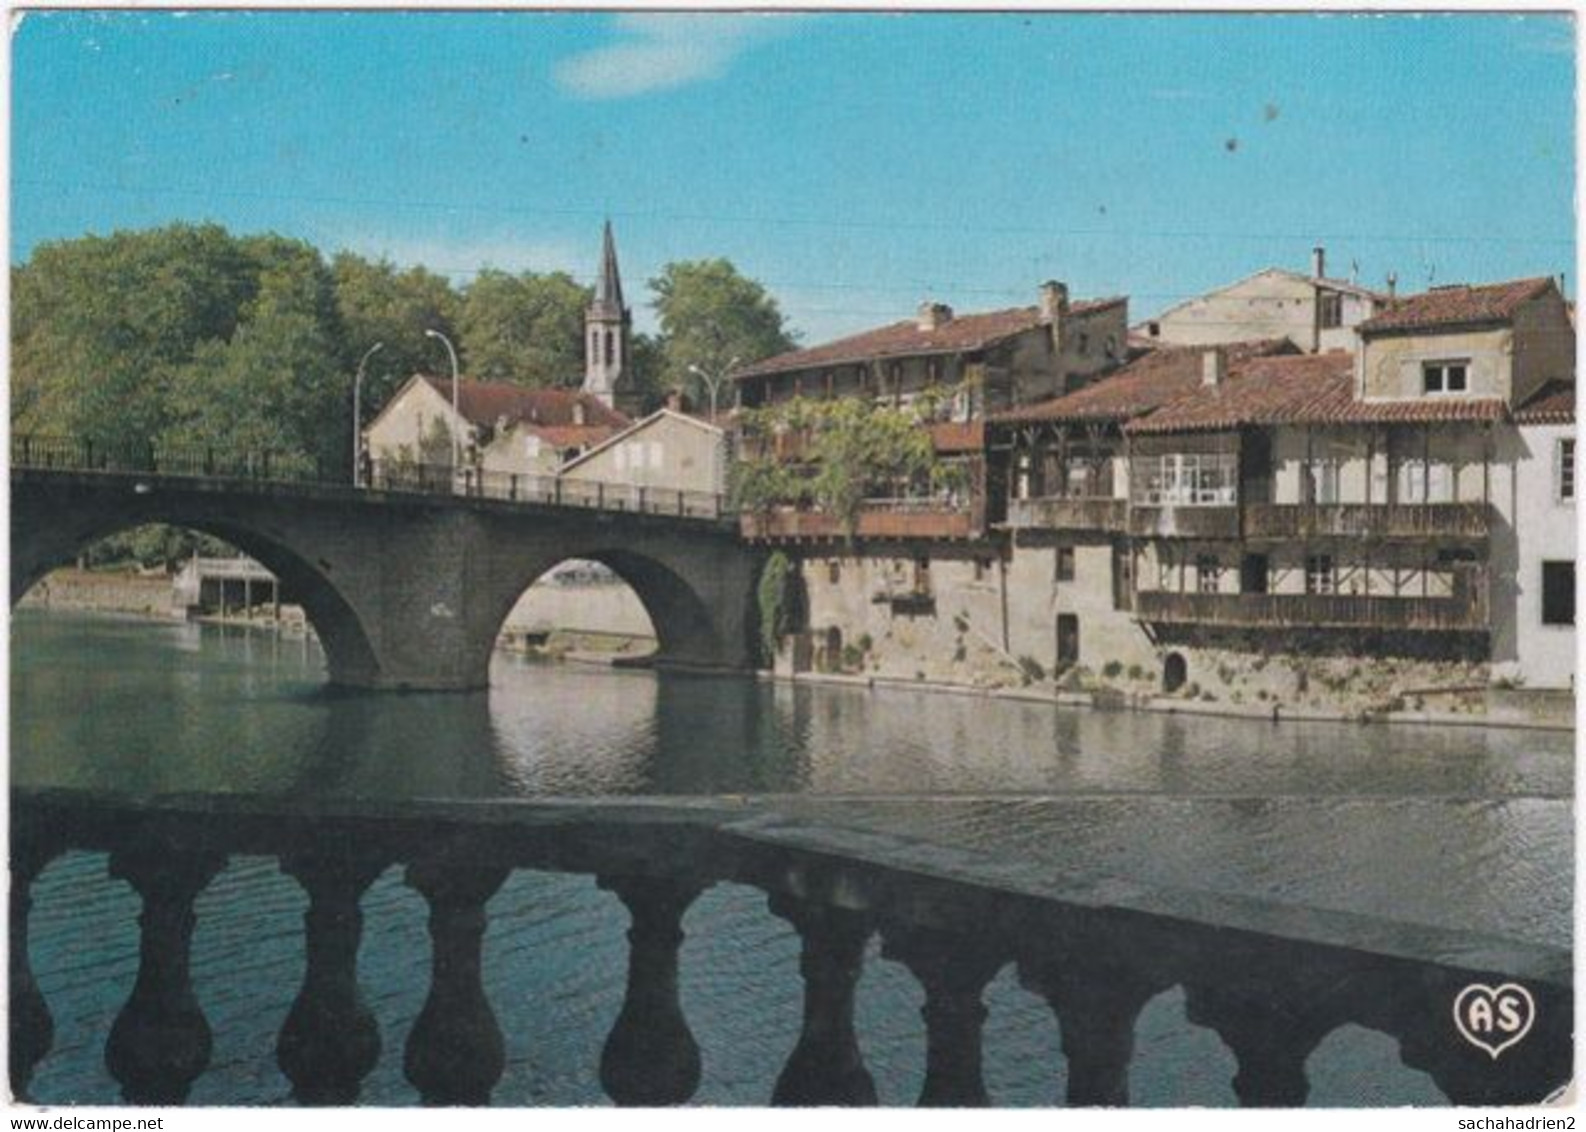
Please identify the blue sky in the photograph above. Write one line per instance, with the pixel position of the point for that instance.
(854, 163)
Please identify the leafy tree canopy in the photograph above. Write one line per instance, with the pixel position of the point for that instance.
(527, 329)
(377, 303)
(711, 315)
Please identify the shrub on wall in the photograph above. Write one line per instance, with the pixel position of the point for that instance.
(775, 598)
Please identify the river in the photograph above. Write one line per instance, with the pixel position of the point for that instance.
(1459, 827)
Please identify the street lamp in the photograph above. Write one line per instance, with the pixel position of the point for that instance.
(712, 383)
(357, 416)
(457, 458)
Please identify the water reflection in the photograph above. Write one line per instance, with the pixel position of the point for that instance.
(153, 707)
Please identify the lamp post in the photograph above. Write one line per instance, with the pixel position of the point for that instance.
(456, 417)
(357, 416)
(712, 383)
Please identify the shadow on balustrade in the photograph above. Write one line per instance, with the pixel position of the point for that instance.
(1271, 992)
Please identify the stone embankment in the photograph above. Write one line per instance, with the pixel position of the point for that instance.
(1274, 687)
(106, 591)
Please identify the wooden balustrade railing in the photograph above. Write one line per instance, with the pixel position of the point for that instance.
(1271, 980)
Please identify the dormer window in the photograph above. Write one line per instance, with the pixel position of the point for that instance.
(1445, 377)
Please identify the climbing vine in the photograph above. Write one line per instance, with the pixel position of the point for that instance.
(776, 613)
(843, 451)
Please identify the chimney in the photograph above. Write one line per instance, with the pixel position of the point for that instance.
(1054, 301)
(1393, 287)
(934, 316)
(1214, 367)
(1319, 261)
(674, 400)
(578, 412)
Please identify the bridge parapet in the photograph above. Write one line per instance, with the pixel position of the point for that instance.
(1271, 980)
(242, 469)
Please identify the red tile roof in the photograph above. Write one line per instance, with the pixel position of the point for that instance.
(1313, 389)
(1554, 403)
(572, 436)
(961, 334)
(487, 402)
(1458, 306)
(1160, 376)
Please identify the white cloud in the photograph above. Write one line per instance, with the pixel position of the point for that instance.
(665, 51)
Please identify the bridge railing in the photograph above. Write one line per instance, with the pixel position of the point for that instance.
(88, 455)
(1271, 980)
(546, 488)
(199, 461)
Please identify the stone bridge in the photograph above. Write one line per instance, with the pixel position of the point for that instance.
(406, 587)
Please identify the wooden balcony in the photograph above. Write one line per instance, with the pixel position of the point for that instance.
(878, 519)
(1463, 612)
(1056, 513)
(1285, 521)
(1184, 522)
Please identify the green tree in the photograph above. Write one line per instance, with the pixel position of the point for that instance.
(646, 362)
(710, 315)
(375, 302)
(100, 324)
(276, 384)
(851, 449)
(527, 329)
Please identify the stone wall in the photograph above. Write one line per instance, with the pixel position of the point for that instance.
(113, 592)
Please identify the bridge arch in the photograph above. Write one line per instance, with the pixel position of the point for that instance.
(687, 628)
(410, 590)
(349, 653)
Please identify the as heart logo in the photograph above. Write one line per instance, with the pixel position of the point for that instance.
(1494, 1018)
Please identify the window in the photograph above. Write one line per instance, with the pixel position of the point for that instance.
(1208, 574)
(1558, 593)
(1320, 577)
(1065, 564)
(834, 570)
(1330, 310)
(1253, 574)
(1191, 479)
(1122, 577)
(1084, 342)
(1067, 640)
(1564, 470)
(1444, 377)
(1154, 329)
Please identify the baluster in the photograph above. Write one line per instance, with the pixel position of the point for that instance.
(455, 1053)
(1096, 1002)
(330, 1041)
(826, 1067)
(32, 1030)
(1272, 1026)
(954, 970)
(160, 1041)
(650, 1057)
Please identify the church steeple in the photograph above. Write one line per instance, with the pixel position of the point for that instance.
(606, 325)
(608, 291)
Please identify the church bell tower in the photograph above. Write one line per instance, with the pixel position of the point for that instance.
(606, 337)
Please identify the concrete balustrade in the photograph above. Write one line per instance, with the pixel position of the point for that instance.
(1271, 980)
